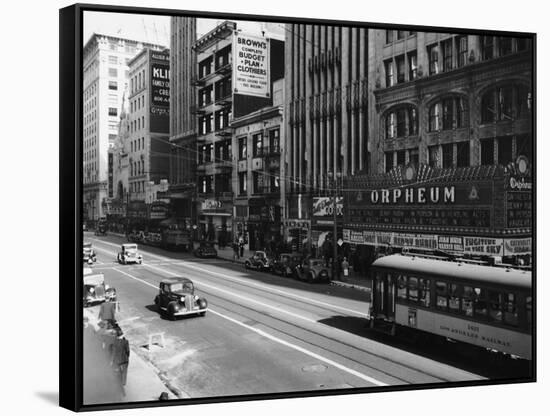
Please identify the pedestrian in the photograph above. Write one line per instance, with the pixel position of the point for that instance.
(241, 246)
(235, 251)
(107, 312)
(345, 267)
(120, 353)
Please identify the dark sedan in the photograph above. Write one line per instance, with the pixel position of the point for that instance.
(205, 250)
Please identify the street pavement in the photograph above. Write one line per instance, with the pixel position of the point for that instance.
(263, 333)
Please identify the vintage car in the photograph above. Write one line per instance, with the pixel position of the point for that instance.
(205, 250)
(177, 298)
(95, 290)
(129, 254)
(313, 270)
(286, 263)
(88, 253)
(258, 261)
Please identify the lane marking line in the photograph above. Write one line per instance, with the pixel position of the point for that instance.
(281, 341)
(263, 287)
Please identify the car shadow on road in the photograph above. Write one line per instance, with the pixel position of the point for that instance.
(466, 357)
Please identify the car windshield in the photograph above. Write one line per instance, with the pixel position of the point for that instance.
(87, 246)
(316, 263)
(181, 287)
(260, 254)
(130, 248)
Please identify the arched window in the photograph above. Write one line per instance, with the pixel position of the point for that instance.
(401, 122)
(447, 114)
(505, 103)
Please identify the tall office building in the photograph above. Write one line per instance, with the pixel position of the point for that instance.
(183, 124)
(105, 75)
(326, 118)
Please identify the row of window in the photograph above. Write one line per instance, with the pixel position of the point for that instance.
(477, 302)
(222, 152)
(222, 58)
(220, 117)
(137, 168)
(503, 103)
(137, 82)
(258, 148)
(498, 150)
(91, 129)
(137, 104)
(261, 182)
(137, 144)
(136, 187)
(137, 124)
(221, 89)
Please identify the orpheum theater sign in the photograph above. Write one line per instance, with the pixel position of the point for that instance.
(471, 210)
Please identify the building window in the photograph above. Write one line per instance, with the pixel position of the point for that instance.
(242, 183)
(504, 46)
(505, 103)
(414, 157)
(435, 117)
(487, 47)
(274, 182)
(413, 66)
(274, 141)
(389, 161)
(413, 122)
(205, 96)
(487, 152)
(400, 34)
(257, 182)
(113, 111)
(113, 60)
(257, 143)
(401, 122)
(388, 65)
(242, 148)
(505, 154)
(113, 72)
(433, 56)
(447, 47)
(447, 105)
(400, 64)
(389, 36)
(463, 154)
(462, 48)
(401, 157)
(447, 157)
(390, 126)
(433, 155)
(113, 85)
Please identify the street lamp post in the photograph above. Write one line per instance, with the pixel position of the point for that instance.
(336, 182)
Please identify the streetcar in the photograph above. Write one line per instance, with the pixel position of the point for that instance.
(490, 307)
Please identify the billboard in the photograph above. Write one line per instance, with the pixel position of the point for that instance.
(160, 92)
(251, 75)
(324, 206)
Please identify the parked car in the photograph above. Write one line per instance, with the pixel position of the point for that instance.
(129, 254)
(313, 270)
(286, 263)
(95, 290)
(177, 298)
(258, 261)
(205, 250)
(88, 253)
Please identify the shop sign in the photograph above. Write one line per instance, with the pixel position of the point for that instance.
(160, 92)
(324, 206)
(211, 204)
(158, 211)
(289, 223)
(450, 243)
(518, 209)
(517, 246)
(251, 65)
(483, 246)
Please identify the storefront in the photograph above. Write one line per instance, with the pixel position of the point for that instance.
(483, 212)
(215, 221)
(297, 234)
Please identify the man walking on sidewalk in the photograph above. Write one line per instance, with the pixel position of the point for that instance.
(120, 354)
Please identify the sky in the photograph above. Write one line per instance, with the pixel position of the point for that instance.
(156, 29)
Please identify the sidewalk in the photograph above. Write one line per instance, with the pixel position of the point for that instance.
(143, 381)
(350, 281)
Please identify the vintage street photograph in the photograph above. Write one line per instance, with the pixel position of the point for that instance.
(299, 207)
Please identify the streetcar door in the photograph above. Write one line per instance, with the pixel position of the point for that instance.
(384, 296)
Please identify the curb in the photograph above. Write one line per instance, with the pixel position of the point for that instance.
(350, 285)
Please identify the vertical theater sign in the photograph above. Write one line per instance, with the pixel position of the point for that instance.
(482, 211)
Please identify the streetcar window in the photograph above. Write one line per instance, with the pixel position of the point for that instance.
(480, 302)
(401, 287)
(467, 302)
(495, 305)
(413, 289)
(424, 294)
(441, 295)
(510, 310)
(529, 309)
(454, 299)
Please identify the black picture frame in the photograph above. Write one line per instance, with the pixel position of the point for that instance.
(71, 214)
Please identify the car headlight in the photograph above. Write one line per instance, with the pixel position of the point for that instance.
(182, 299)
(92, 290)
(196, 297)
